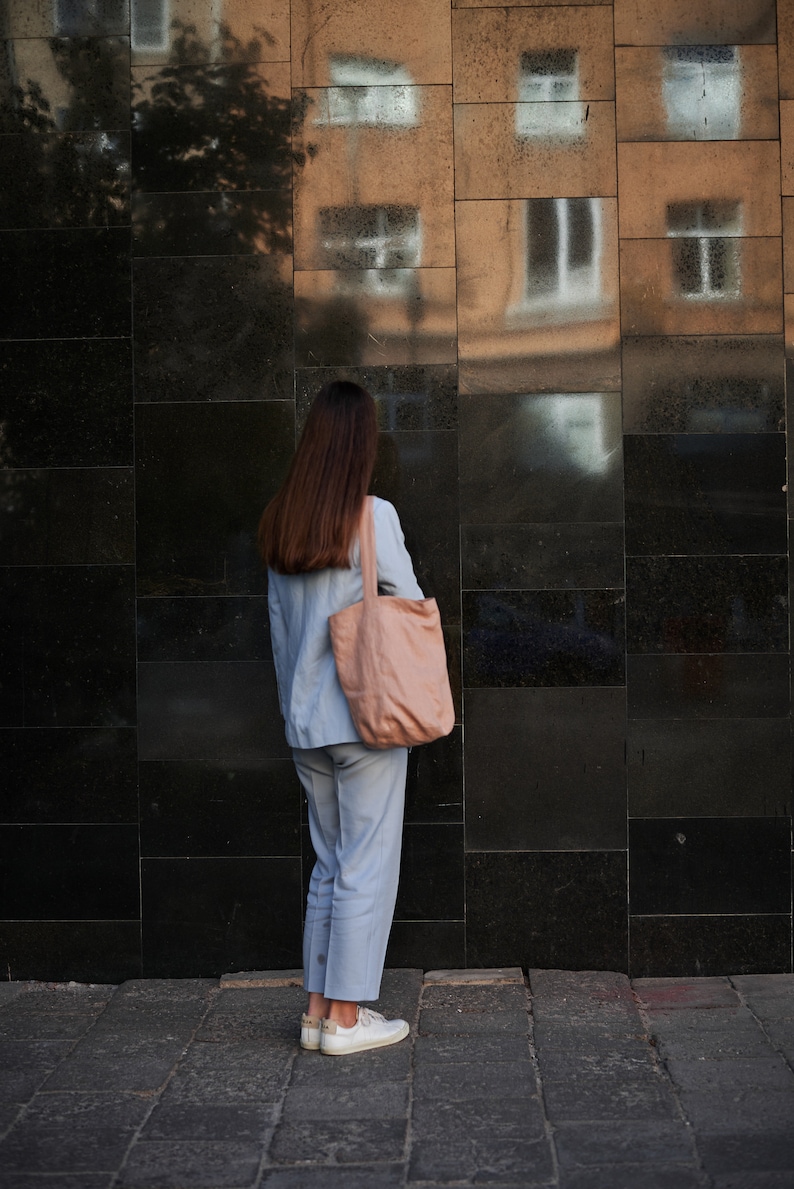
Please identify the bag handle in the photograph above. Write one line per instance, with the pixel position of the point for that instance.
(366, 538)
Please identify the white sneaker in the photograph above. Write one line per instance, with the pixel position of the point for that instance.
(370, 1031)
(310, 1032)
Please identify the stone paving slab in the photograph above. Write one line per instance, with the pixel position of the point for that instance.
(558, 1080)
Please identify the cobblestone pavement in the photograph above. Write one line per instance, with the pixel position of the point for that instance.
(577, 1081)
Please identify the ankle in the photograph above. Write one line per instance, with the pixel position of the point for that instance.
(343, 1013)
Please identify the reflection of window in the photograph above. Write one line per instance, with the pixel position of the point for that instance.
(564, 242)
(386, 238)
(370, 91)
(702, 90)
(549, 81)
(76, 17)
(149, 24)
(705, 251)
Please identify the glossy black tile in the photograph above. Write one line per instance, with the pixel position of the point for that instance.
(541, 556)
(705, 493)
(708, 686)
(65, 84)
(674, 947)
(407, 398)
(531, 637)
(218, 328)
(693, 865)
(430, 945)
(75, 628)
(76, 18)
(431, 873)
(65, 284)
(709, 768)
(61, 951)
(540, 458)
(205, 917)
(66, 180)
(203, 629)
(216, 711)
(66, 403)
(418, 473)
(211, 127)
(707, 604)
(67, 517)
(216, 809)
(434, 789)
(545, 769)
(561, 911)
(703, 384)
(221, 224)
(205, 472)
(74, 872)
(71, 774)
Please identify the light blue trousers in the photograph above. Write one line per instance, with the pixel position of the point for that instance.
(356, 800)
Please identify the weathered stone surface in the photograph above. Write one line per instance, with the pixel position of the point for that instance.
(446, 1021)
(732, 1073)
(26, 1064)
(117, 1064)
(667, 994)
(632, 1176)
(482, 1049)
(747, 1150)
(381, 1100)
(485, 998)
(483, 1140)
(646, 1142)
(343, 1141)
(250, 979)
(455, 1081)
(373, 1176)
(230, 1073)
(239, 1121)
(199, 1164)
(593, 1096)
(462, 978)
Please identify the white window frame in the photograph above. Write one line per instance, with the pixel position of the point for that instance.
(64, 21)
(378, 277)
(575, 288)
(548, 106)
(705, 233)
(702, 91)
(162, 42)
(368, 92)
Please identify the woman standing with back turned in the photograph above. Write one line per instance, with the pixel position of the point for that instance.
(308, 537)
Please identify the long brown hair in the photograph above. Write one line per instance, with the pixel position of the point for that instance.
(312, 521)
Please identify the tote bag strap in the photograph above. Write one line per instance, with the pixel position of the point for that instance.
(369, 563)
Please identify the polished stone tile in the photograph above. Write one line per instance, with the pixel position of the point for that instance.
(66, 84)
(216, 328)
(425, 943)
(669, 290)
(99, 951)
(787, 146)
(431, 873)
(703, 384)
(543, 638)
(246, 31)
(697, 92)
(218, 809)
(214, 711)
(434, 789)
(65, 284)
(203, 628)
(66, 403)
(409, 43)
(67, 517)
(72, 774)
(247, 222)
(709, 768)
(541, 556)
(560, 911)
(692, 865)
(785, 50)
(66, 180)
(70, 646)
(205, 916)
(674, 946)
(540, 458)
(71, 20)
(735, 185)
(484, 44)
(704, 493)
(545, 769)
(409, 398)
(200, 493)
(711, 22)
(70, 872)
(508, 150)
(418, 473)
(538, 295)
(706, 604)
(212, 127)
(708, 686)
(375, 316)
(374, 184)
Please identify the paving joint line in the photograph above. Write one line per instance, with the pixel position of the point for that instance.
(548, 1126)
(773, 1044)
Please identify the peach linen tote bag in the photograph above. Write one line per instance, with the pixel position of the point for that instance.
(391, 659)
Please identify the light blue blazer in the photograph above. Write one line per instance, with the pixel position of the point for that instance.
(314, 707)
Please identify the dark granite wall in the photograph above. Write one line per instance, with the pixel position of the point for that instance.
(556, 242)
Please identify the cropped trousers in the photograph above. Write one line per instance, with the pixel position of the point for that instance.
(356, 801)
